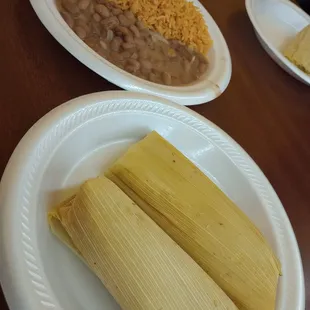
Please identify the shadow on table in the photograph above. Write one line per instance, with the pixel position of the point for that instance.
(3, 304)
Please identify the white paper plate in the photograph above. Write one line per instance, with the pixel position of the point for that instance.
(208, 87)
(275, 23)
(79, 140)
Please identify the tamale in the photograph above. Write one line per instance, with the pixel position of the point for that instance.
(140, 265)
(195, 213)
(298, 50)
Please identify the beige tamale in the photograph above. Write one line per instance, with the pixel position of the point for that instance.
(140, 265)
(298, 50)
(189, 207)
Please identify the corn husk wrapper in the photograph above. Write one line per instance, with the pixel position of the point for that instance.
(190, 208)
(140, 265)
(298, 50)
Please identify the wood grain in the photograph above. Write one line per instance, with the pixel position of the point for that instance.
(264, 109)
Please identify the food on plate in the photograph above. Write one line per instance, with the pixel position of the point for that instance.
(198, 216)
(298, 50)
(123, 39)
(161, 235)
(174, 19)
(140, 265)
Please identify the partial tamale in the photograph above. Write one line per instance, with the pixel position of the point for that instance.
(140, 265)
(189, 207)
(298, 50)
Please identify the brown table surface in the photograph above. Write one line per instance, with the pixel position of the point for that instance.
(264, 109)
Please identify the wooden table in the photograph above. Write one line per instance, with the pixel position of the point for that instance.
(264, 109)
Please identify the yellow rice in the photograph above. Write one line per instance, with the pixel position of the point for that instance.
(174, 19)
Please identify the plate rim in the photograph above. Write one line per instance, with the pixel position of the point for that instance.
(198, 93)
(16, 297)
